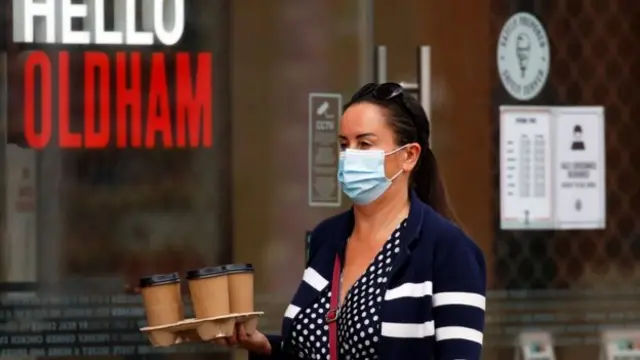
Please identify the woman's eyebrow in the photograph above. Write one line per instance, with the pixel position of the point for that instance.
(360, 136)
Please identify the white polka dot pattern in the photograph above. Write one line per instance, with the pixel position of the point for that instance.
(359, 321)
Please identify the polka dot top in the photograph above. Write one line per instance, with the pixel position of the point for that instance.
(359, 321)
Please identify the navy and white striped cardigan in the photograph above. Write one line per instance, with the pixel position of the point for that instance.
(435, 298)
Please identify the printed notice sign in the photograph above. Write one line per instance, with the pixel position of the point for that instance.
(621, 344)
(20, 248)
(552, 168)
(535, 346)
(525, 168)
(325, 111)
(580, 168)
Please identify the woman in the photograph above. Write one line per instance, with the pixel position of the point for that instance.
(413, 284)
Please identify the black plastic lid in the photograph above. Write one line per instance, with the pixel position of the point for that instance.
(206, 272)
(238, 268)
(160, 279)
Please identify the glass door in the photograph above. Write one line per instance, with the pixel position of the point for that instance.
(290, 60)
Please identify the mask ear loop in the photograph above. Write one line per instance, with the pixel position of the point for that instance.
(396, 175)
(393, 152)
(396, 150)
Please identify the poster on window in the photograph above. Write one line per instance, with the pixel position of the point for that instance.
(525, 168)
(552, 168)
(579, 168)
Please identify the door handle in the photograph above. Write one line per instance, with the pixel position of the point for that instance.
(422, 86)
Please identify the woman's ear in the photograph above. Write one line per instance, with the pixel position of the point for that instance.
(413, 155)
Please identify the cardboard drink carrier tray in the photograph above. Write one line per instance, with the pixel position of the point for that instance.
(198, 330)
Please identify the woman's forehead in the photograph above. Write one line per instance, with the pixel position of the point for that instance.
(363, 118)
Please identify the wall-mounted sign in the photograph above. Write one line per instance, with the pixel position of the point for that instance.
(20, 246)
(325, 111)
(535, 346)
(523, 56)
(552, 168)
(621, 344)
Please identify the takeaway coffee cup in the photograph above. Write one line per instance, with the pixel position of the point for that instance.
(209, 290)
(240, 288)
(162, 299)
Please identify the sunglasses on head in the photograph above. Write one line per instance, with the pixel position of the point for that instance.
(384, 92)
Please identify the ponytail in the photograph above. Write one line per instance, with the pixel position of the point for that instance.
(428, 185)
(426, 179)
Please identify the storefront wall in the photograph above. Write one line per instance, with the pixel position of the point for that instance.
(97, 220)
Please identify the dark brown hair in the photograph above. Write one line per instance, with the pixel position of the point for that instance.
(410, 124)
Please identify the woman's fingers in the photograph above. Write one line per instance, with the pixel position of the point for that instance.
(241, 338)
(233, 339)
(227, 341)
(241, 333)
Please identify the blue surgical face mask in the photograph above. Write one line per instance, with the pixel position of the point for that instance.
(361, 174)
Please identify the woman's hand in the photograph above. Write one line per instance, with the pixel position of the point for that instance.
(257, 342)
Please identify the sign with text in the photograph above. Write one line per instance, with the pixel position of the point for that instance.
(524, 56)
(325, 111)
(525, 168)
(66, 325)
(133, 94)
(552, 168)
(580, 168)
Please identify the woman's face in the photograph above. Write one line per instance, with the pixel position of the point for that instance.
(364, 127)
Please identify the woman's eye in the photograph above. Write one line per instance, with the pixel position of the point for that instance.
(343, 146)
(364, 145)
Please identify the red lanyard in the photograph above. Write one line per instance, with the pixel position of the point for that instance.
(334, 310)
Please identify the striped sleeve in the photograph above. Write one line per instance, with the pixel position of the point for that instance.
(459, 288)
